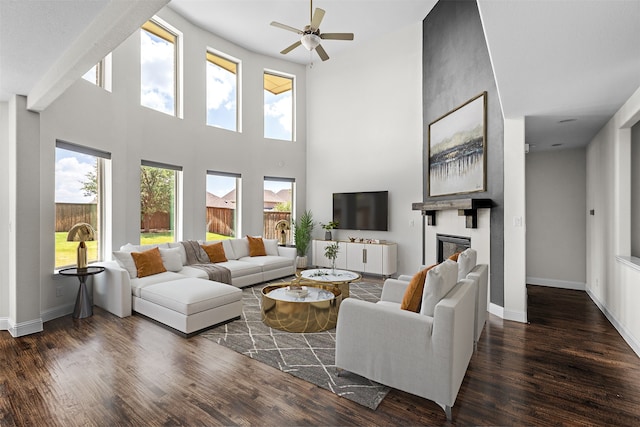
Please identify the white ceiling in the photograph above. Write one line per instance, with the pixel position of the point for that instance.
(553, 59)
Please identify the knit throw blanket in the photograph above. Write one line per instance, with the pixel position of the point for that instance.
(198, 258)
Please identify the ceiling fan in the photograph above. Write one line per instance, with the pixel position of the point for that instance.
(311, 35)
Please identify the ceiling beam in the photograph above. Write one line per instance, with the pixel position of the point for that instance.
(117, 21)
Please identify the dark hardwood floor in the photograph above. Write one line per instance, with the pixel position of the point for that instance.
(567, 367)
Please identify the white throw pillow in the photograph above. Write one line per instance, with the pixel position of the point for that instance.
(125, 260)
(183, 252)
(440, 280)
(141, 248)
(171, 259)
(271, 246)
(240, 247)
(466, 262)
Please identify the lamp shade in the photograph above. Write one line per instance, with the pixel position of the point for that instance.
(81, 232)
(310, 41)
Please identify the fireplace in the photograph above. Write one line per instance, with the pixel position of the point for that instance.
(449, 245)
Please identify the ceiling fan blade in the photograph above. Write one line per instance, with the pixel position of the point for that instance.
(290, 48)
(321, 53)
(337, 36)
(317, 18)
(286, 27)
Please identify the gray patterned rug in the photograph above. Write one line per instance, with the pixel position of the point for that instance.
(309, 356)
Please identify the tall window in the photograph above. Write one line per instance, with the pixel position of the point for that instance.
(223, 205)
(160, 210)
(222, 93)
(158, 67)
(82, 177)
(278, 206)
(100, 74)
(278, 106)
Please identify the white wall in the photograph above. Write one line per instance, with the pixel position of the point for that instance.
(635, 190)
(612, 274)
(365, 134)
(4, 215)
(556, 218)
(115, 122)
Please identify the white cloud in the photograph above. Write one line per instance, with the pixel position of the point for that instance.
(282, 111)
(220, 86)
(70, 174)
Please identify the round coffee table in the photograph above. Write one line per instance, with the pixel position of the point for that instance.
(313, 308)
(338, 278)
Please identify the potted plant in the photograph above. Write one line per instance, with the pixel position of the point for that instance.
(328, 227)
(331, 252)
(302, 228)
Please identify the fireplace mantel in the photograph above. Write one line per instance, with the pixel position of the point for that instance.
(467, 207)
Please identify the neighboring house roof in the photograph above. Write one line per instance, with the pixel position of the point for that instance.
(214, 201)
(284, 194)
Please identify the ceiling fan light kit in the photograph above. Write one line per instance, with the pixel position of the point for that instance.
(311, 36)
(310, 41)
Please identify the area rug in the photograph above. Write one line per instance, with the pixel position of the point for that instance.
(309, 356)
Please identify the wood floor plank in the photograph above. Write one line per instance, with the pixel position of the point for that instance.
(568, 366)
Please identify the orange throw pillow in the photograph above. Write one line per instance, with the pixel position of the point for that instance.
(148, 262)
(256, 246)
(215, 252)
(455, 256)
(412, 299)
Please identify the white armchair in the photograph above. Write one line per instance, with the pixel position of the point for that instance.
(426, 355)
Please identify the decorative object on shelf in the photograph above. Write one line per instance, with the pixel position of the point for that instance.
(328, 227)
(457, 149)
(302, 228)
(81, 232)
(282, 226)
(352, 239)
(331, 252)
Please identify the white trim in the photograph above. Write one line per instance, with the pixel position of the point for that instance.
(629, 261)
(59, 311)
(4, 323)
(25, 328)
(622, 330)
(516, 316)
(553, 283)
(496, 310)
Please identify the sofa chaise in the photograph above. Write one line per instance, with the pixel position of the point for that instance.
(182, 297)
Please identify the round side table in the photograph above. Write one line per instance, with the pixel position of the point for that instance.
(83, 306)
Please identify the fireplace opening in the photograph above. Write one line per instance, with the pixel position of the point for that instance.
(449, 245)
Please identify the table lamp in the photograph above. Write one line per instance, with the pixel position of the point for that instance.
(282, 226)
(81, 232)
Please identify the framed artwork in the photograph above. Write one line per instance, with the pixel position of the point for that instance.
(457, 149)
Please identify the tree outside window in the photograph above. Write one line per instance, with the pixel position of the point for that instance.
(158, 208)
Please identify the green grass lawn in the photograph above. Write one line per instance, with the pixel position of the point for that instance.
(66, 251)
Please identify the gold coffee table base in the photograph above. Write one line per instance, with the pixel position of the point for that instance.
(300, 315)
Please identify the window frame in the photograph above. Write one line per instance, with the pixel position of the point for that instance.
(238, 64)
(282, 75)
(169, 33)
(104, 196)
(177, 202)
(238, 187)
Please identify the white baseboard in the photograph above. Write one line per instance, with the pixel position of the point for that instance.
(622, 330)
(59, 311)
(25, 328)
(564, 284)
(516, 316)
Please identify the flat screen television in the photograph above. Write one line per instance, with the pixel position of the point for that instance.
(367, 210)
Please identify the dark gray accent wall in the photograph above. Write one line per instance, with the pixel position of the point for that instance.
(456, 68)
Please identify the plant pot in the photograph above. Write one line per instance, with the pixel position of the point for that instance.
(301, 262)
(327, 235)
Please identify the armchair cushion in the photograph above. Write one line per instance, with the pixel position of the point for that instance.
(412, 299)
(440, 280)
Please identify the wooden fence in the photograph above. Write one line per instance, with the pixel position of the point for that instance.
(219, 220)
(69, 214)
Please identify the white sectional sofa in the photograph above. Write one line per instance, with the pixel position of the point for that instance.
(183, 297)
